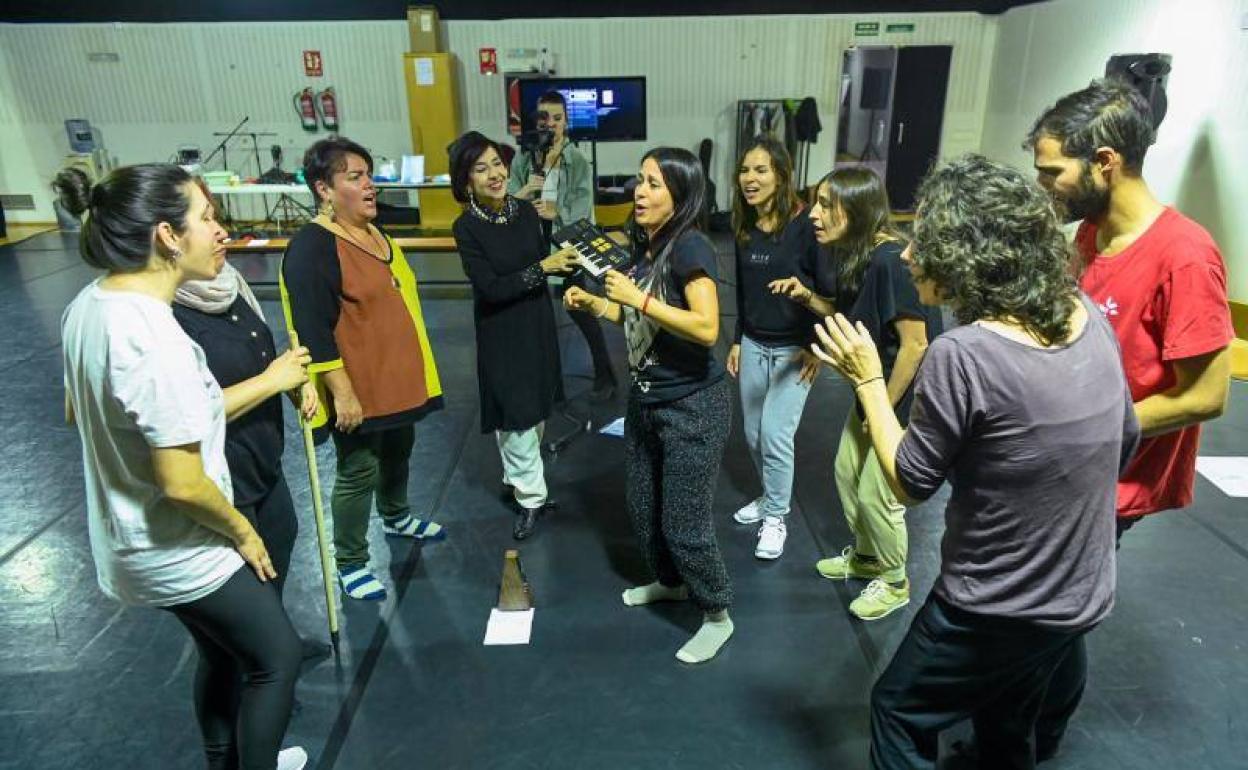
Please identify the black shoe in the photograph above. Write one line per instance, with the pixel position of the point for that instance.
(526, 522)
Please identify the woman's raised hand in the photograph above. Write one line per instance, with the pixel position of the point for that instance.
(848, 349)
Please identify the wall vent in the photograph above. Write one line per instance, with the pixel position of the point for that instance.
(17, 202)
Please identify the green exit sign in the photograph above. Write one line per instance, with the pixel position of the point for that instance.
(867, 28)
(899, 28)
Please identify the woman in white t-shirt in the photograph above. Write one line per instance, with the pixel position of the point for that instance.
(164, 532)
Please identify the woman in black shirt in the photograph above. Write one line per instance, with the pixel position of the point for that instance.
(223, 317)
(770, 355)
(506, 259)
(864, 278)
(680, 405)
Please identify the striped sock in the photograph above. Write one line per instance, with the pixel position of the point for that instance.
(359, 583)
(408, 525)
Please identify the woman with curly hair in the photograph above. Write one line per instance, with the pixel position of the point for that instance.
(862, 276)
(1025, 411)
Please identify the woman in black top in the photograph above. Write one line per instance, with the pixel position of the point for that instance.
(224, 318)
(506, 259)
(680, 405)
(770, 355)
(864, 278)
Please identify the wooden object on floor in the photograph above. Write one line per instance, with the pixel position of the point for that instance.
(513, 591)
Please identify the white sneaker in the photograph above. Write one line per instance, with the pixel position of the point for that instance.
(771, 537)
(293, 758)
(749, 513)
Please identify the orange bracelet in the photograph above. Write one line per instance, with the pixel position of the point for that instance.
(645, 303)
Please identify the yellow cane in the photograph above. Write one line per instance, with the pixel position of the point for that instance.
(314, 480)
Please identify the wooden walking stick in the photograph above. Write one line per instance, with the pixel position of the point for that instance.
(314, 481)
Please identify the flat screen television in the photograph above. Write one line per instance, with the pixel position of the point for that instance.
(607, 109)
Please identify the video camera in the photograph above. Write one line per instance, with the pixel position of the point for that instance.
(536, 140)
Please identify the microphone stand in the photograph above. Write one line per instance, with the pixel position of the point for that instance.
(220, 148)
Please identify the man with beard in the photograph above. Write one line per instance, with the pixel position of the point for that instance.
(1160, 280)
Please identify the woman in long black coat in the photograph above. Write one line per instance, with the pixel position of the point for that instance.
(506, 259)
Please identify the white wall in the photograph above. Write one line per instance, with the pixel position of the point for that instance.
(19, 173)
(1201, 155)
(178, 83)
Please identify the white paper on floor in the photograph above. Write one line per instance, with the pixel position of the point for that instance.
(1230, 474)
(615, 428)
(509, 627)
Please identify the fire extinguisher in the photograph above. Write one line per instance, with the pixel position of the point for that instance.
(329, 109)
(306, 107)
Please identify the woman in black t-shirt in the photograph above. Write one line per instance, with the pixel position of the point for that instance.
(680, 405)
(863, 277)
(770, 355)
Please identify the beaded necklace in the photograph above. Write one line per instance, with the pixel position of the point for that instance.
(501, 217)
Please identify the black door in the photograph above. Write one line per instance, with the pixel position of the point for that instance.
(918, 114)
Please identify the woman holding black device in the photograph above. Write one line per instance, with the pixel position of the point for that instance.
(506, 260)
(680, 404)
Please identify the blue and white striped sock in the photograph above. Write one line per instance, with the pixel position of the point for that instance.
(410, 526)
(360, 583)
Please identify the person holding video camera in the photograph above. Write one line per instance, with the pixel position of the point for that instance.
(558, 179)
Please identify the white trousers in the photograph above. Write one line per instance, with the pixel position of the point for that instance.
(521, 451)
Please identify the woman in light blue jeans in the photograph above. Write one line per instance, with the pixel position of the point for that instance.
(770, 357)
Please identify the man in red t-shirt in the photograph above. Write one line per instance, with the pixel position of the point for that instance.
(1159, 279)
(1156, 275)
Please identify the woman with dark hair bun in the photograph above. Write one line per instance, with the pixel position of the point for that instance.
(351, 296)
(162, 523)
(1026, 412)
(73, 195)
(862, 276)
(506, 259)
(680, 404)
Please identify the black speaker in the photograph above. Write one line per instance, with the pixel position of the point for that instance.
(1148, 73)
(875, 86)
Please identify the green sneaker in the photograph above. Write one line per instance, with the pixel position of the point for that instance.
(879, 599)
(846, 566)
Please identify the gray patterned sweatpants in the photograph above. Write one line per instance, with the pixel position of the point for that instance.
(671, 462)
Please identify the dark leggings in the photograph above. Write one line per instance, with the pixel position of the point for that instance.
(273, 516)
(671, 461)
(249, 659)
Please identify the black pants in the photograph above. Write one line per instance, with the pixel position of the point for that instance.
(671, 462)
(1069, 681)
(249, 659)
(274, 518)
(952, 665)
(591, 329)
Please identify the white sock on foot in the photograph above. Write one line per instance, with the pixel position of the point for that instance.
(654, 592)
(716, 629)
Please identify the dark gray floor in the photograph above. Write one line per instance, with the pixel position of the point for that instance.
(87, 684)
